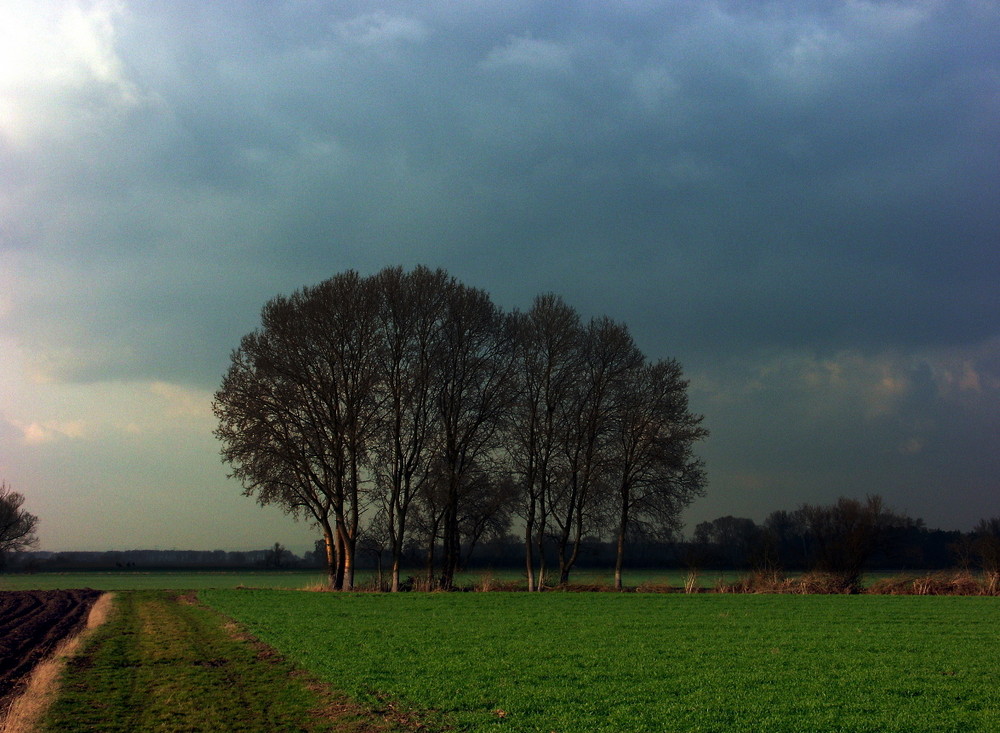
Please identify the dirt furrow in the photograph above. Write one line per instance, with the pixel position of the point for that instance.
(33, 623)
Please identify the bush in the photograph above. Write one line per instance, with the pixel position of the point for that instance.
(961, 583)
(653, 587)
(775, 582)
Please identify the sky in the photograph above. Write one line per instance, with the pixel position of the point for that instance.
(799, 200)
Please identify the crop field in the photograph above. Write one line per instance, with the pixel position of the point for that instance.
(32, 623)
(529, 662)
(122, 580)
(634, 662)
(117, 580)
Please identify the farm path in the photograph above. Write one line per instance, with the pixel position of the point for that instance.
(164, 662)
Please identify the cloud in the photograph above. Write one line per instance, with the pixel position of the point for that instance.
(182, 402)
(38, 433)
(380, 29)
(61, 73)
(530, 54)
(797, 200)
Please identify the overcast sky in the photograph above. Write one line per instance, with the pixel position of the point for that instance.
(800, 201)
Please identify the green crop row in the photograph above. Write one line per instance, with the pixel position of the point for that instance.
(635, 662)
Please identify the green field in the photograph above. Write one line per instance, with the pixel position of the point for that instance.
(549, 662)
(297, 579)
(115, 580)
(634, 662)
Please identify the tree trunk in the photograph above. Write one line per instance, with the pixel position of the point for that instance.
(397, 547)
(529, 559)
(350, 546)
(566, 556)
(351, 529)
(348, 565)
(619, 561)
(430, 557)
(542, 563)
(622, 527)
(452, 540)
(394, 588)
(338, 579)
(449, 561)
(330, 546)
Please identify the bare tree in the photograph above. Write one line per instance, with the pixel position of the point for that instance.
(608, 355)
(296, 407)
(275, 556)
(474, 365)
(485, 513)
(548, 369)
(410, 317)
(654, 472)
(986, 546)
(17, 526)
(374, 540)
(428, 518)
(728, 540)
(413, 394)
(845, 535)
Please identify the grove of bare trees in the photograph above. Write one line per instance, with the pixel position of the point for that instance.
(408, 409)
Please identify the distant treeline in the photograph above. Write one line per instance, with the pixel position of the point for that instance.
(158, 559)
(848, 537)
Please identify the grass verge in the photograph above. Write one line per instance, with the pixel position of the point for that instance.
(163, 662)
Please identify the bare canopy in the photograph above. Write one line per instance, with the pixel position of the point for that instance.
(408, 409)
(17, 526)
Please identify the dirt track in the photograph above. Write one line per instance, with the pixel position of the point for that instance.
(32, 623)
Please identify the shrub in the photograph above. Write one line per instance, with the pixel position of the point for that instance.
(961, 583)
(775, 582)
(652, 587)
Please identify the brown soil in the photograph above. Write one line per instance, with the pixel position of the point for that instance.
(32, 623)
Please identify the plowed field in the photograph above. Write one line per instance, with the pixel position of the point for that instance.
(32, 623)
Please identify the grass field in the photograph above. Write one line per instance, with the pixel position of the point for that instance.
(611, 662)
(115, 580)
(160, 580)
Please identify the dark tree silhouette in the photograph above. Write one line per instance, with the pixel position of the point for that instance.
(654, 473)
(986, 545)
(843, 536)
(412, 397)
(548, 368)
(410, 318)
(474, 391)
(17, 526)
(578, 506)
(297, 406)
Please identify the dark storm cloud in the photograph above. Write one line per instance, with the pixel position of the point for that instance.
(815, 173)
